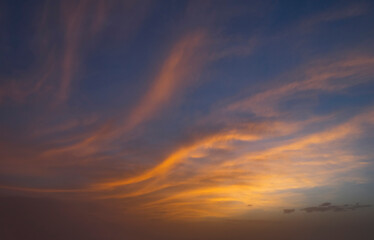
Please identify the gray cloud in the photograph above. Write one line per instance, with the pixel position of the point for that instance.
(290, 210)
(328, 207)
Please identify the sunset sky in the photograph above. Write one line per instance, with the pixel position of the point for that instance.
(190, 119)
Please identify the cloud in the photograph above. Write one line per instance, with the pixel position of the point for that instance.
(220, 166)
(183, 61)
(288, 211)
(334, 208)
(185, 58)
(20, 87)
(335, 14)
(219, 157)
(196, 177)
(325, 204)
(204, 142)
(321, 76)
(61, 37)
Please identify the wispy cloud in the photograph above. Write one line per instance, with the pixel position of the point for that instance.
(160, 148)
(183, 61)
(320, 76)
(335, 14)
(220, 169)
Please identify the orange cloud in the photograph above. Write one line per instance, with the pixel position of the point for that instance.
(195, 177)
(185, 59)
(73, 19)
(194, 181)
(257, 160)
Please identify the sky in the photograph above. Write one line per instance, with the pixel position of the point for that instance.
(125, 119)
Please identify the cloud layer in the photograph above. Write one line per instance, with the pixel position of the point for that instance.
(187, 110)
